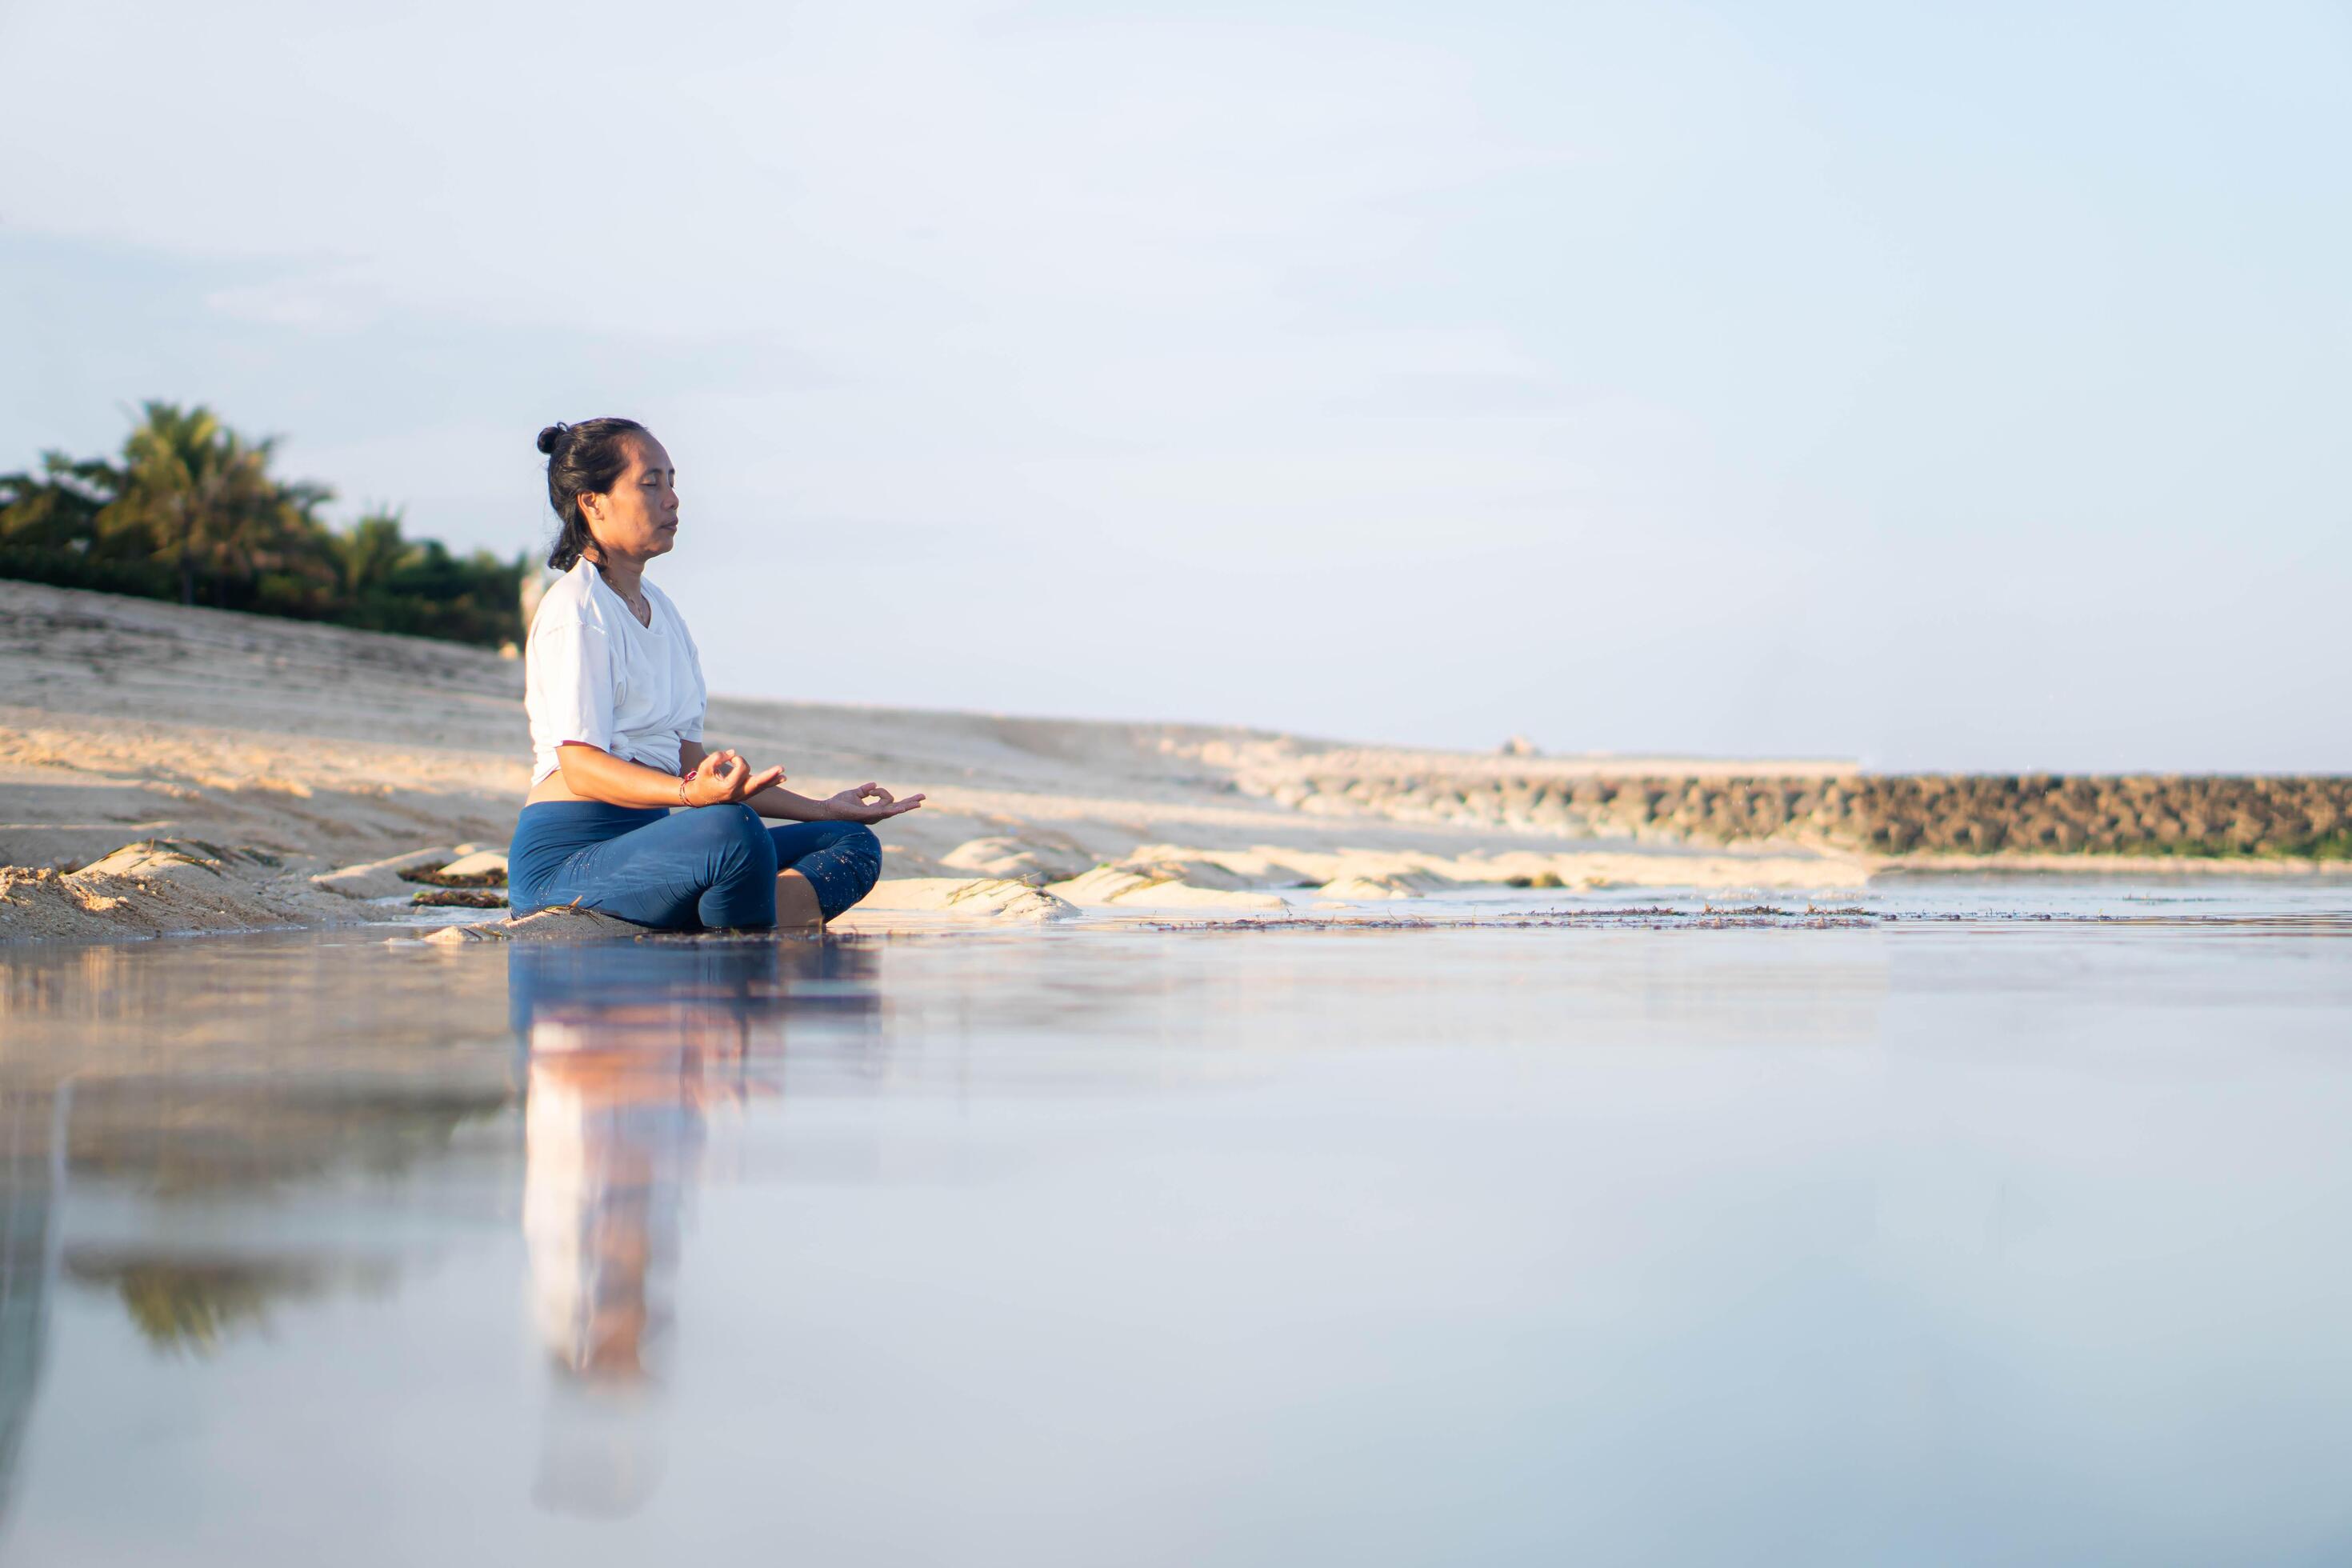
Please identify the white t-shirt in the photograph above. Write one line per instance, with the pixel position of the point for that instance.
(592, 673)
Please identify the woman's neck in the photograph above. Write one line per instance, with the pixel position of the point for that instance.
(622, 574)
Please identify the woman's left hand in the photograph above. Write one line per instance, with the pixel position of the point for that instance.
(870, 803)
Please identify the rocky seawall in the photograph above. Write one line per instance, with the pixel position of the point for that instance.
(1886, 815)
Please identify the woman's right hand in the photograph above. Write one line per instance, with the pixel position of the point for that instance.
(724, 778)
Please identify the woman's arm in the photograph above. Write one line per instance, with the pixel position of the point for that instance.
(867, 802)
(595, 774)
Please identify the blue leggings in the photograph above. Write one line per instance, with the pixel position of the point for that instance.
(713, 868)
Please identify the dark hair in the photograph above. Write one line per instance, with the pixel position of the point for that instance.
(586, 458)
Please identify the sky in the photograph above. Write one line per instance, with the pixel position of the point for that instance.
(1936, 387)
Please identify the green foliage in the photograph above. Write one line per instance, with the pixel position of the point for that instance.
(2335, 846)
(192, 512)
(192, 1308)
(392, 584)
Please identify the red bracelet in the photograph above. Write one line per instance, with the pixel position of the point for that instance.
(683, 780)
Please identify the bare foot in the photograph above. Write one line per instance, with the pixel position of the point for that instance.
(797, 911)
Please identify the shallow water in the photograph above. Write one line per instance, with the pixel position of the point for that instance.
(2013, 1235)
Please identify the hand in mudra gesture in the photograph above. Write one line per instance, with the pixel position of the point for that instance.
(870, 803)
(723, 778)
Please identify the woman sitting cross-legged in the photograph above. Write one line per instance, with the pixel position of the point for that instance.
(627, 814)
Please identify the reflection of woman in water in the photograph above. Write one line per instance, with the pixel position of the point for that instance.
(628, 1051)
(613, 1127)
(627, 814)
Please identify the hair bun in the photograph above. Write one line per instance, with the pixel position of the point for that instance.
(550, 437)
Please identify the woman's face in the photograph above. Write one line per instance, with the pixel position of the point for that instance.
(636, 518)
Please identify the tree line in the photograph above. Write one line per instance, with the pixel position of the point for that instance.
(190, 510)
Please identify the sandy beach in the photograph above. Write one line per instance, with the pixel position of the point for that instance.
(166, 769)
(272, 751)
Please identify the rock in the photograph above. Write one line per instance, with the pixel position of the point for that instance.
(1364, 889)
(1152, 887)
(568, 924)
(1200, 873)
(903, 860)
(1024, 859)
(1102, 885)
(162, 860)
(159, 887)
(1186, 896)
(460, 898)
(565, 924)
(381, 878)
(481, 868)
(978, 898)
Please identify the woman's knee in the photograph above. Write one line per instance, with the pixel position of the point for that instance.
(735, 838)
(843, 867)
(860, 858)
(864, 850)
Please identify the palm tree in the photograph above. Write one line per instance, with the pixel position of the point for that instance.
(193, 499)
(198, 490)
(372, 551)
(57, 507)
